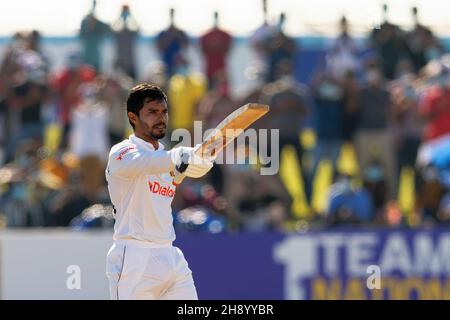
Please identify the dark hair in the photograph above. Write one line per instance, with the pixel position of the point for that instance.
(141, 92)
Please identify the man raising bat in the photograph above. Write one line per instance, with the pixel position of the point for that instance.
(142, 263)
(142, 179)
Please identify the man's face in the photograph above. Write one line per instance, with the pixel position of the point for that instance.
(152, 120)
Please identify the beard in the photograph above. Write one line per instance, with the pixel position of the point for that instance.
(158, 134)
(153, 132)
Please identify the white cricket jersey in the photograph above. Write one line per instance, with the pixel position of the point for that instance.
(141, 189)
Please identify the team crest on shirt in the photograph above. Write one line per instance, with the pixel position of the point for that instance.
(157, 188)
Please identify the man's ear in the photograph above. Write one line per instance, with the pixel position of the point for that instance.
(133, 117)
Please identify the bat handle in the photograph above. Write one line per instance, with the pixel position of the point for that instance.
(179, 176)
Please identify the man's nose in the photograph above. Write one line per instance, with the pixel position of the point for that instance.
(162, 116)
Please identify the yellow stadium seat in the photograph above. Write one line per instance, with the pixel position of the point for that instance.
(347, 163)
(290, 174)
(322, 181)
(406, 191)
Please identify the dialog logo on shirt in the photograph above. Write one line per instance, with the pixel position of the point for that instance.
(156, 188)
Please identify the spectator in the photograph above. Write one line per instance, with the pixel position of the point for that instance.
(279, 47)
(277, 216)
(435, 107)
(10, 65)
(186, 89)
(126, 31)
(407, 124)
(30, 94)
(350, 87)
(112, 93)
(388, 42)
(155, 72)
(89, 130)
(92, 32)
(217, 103)
(215, 46)
(85, 188)
(373, 138)
(430, 197)
(170, 44)
(392, 216)
(329, 111)
(256, 75)
(212, 109)
(66, 84)
(34, 44)
(406, 119)
(291, 109)
(259, 39)
(421, 44)
(348, 205)
(22, 201)
(375, 182)
(342, 57)
(255, 202)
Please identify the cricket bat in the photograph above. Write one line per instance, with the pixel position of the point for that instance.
(228, 130)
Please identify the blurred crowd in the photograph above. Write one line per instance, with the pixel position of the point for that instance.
(367, 139)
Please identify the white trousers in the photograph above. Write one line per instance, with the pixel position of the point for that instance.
(149, 273)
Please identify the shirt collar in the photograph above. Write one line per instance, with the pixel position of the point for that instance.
(145, 144)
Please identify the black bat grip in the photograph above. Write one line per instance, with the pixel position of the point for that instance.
(184, 163)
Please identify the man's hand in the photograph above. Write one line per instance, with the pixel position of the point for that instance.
(190, 164)
(197, 167)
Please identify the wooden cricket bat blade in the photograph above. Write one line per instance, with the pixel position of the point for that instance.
(225, 132)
